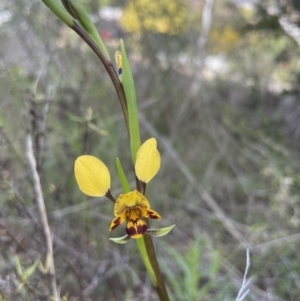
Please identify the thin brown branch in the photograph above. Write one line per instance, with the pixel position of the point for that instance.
(39, 198)
(109, 68)
(110, 196)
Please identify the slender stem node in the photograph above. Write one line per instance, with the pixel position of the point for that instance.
(109, 196)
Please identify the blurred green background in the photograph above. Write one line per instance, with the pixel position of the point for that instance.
(217, 85)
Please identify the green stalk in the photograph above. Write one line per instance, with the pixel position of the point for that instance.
(140, 242)
(128, 103)
(144, 254)
(77, 11)
(122, 177)
(59, 11)
(145, 243)
(129, 89)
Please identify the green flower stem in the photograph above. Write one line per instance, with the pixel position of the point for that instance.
(146, 259)
(77, 11)
(140, 242)
(129, 89)
(59, 11)
(122, 177)
(160, 284)
(145, 243)
(64, 16)
(109, 68)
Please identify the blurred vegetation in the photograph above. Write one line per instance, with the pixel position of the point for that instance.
(237, 135)
(164, 17)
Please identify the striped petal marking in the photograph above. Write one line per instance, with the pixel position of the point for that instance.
(133, 207)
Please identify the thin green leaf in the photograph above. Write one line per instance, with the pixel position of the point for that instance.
(69, 7)
(129, 89)
(59, 11)
(160, 232)
(79, 13)
(20, 286)
(75, 118)
(18, 266)
(42, 268)
(216, 264)
(31, 269)
(48, 260)
(121, 240)
(96, 129)
(122, 176)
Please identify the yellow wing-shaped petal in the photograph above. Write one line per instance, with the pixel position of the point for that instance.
(147, 161)
(92, 176)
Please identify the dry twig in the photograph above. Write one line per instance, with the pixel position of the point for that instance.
(244, 290)
(39, 198)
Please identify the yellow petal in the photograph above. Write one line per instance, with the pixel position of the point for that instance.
(130, 199)
(117, 221)
(92, 176)
(147, 161)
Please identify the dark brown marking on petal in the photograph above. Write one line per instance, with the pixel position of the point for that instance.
(134, 220)
(133, 214)
(130, 229)
(116, 223)
(153, 215)
(142, 229)
(136, 229)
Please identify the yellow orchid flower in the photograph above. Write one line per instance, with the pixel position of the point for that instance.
(132, 207)
(93, 179)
